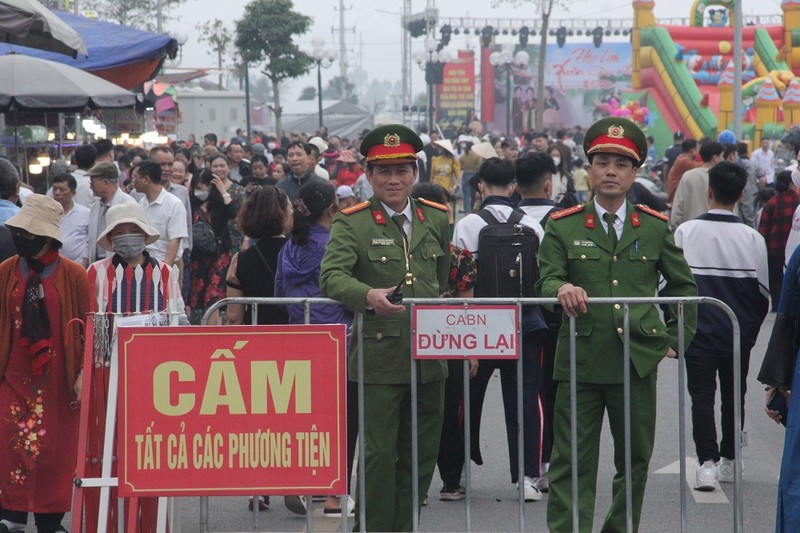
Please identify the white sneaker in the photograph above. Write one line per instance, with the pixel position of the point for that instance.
(532, 493)
(726, 470)
(706, 477)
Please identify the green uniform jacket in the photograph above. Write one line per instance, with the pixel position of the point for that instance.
(576, 249)
(365, 251)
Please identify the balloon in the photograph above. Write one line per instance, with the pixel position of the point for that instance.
(724, 47)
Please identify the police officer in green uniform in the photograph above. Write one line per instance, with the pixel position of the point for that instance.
(609, 248)
(374, 245)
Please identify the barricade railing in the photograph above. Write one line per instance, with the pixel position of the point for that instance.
(626, 304)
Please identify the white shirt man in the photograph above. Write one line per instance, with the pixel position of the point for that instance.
(763, 159)
(164, 211)
(75, 223)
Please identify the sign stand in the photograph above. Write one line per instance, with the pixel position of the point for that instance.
(96, 467)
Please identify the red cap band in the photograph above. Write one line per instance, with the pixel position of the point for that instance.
(615, 145)
(381, 152)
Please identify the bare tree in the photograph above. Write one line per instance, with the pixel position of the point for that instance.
(219, 39)
(140, 14)
(544, 8)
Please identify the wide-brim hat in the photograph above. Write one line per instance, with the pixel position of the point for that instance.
(390, 144)
(126, 213)
(616, 135)
(40, 215)
(447, 145)
(485, 150)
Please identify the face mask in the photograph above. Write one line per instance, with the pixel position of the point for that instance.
(271, 146)
(129, 246)
(201, 195)
(557, 161)
(29, 247)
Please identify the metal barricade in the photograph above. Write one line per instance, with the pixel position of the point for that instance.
(626, 303)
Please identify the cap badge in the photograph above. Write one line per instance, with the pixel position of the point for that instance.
(616, 132)
(392, 140)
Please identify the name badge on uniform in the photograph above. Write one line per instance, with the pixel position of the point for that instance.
(589, 244)
(383, 242)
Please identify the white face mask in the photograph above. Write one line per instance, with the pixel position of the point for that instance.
(201, 195)
(271, 146)
(128, 246)
(557, 161)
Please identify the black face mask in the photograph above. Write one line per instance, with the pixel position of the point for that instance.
(29, 247)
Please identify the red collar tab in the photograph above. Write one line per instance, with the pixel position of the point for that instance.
(378, 217)
(635, 222)
(589, 221)
(420, 216)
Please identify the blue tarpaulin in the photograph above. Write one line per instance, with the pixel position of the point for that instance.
(120, 54)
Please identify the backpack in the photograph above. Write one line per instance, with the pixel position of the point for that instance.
(204, 242)
(507, 264)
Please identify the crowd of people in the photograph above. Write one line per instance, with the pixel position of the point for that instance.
(300, 216)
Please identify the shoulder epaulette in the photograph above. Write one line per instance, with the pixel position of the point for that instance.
(652, 212)
(355, 208)
(435, 205)
(566, 212)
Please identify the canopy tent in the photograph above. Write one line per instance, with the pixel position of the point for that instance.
(341, 118)
(37, 85)
(124, 56)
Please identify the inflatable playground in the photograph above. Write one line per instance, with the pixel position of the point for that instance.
(683, 75)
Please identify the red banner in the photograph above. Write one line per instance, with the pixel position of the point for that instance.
(456, 94)
(233, 410)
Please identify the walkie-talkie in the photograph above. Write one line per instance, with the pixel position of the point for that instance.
(396, 296)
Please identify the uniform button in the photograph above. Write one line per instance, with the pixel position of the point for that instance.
(614, 258)
(383, 259)
(655, 330)
(615, 283)
(644, 258)
(616, 306)
(410, 256)
(619, 330)
(379, 336)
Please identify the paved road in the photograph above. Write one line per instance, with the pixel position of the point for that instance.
(495, 506)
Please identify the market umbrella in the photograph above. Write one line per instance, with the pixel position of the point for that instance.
(38, 85)
(29, 23)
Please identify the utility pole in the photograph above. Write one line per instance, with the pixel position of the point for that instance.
(343, 47)
(407, 96)
(159, 14)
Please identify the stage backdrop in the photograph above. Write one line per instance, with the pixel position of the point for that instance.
(579, 79)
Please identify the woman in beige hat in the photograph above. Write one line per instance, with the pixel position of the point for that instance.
(131, 281)
(446, 171)
(44, 299)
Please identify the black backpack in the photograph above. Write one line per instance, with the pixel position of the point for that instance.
(507, 265)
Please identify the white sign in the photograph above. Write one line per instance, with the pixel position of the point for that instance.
(457, 332)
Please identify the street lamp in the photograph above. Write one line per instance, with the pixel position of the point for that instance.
(432, 61)
(506, 58)
(324, 57)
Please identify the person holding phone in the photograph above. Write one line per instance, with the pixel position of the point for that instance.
(779, 371)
